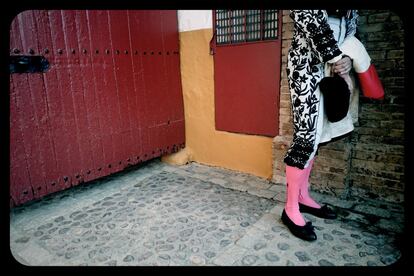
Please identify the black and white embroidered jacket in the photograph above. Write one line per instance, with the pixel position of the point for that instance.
(312, 45)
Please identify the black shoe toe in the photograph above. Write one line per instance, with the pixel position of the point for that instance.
(303, 232)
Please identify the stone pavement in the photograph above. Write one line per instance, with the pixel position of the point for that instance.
(156, 214)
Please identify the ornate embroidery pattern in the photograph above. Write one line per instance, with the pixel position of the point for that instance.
(298, 154)
(313, 25)
(313, 44)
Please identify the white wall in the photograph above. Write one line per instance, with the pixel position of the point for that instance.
(190, 20)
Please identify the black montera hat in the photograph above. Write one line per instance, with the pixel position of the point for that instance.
(336, 97)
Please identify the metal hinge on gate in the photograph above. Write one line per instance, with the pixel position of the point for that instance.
(28, 64)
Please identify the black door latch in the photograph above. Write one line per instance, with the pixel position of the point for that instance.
(28, 64)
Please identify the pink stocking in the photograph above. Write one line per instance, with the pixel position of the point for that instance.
(304, 196)
(294, 179)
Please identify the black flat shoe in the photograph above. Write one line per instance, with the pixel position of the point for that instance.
(323, 212)
(303, 232)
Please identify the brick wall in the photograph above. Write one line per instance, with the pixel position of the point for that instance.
(368, 163)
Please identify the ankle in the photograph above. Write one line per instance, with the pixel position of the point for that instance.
(294, 215)
(309, 202)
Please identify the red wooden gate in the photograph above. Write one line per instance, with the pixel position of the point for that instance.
(110, 99)
(247, 71)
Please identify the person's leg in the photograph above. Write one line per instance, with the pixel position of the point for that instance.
(304, 196)
(294, 179)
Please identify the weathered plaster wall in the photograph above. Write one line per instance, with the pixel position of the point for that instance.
(204, 144)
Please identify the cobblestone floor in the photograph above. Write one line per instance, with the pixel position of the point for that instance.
(157, 214)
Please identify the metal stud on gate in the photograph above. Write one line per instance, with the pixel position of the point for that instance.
(107, 51)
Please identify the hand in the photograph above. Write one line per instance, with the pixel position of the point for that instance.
(342, 66)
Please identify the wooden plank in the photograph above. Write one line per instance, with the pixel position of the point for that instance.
(20, 184)
(39, 104)
(136, 24)
(92, 107)
(124, 76)
(69, 144)
(51, 94)
(134, 92)
(82, 122)
(27, 114)
(105, 87)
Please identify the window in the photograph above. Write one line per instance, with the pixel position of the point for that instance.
(239, 26)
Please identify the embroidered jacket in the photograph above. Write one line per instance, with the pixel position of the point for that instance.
(312, 45)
